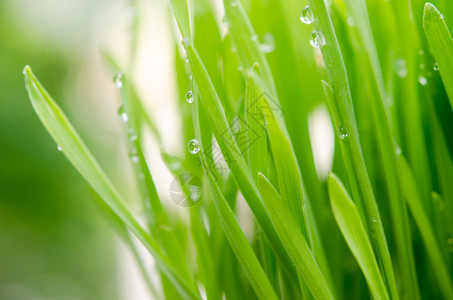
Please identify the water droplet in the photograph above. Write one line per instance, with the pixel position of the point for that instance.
(375, 220)
(330, 64)
(422, 80)
(350, 21)
(268, 43)
(185, 42)
(131, 135)
(317, 39)
(187, 67)
(342, 132)
(226, 21)
(189, 97)
(141, 176)
(398, 150)
(133, 155)
(400, 67)
(118, 80)
(422, 66)
(254, 37)
(306, 16)
(59, 148)
(193, 146)
(421, 52)
(436, 67)
(123, 115)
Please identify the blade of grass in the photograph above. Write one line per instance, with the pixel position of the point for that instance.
(386, 142)
(441, 45)
(225, 138)
(78, 154)
(257, 156)
(246, 43)
(294, 241)
(350, 223)
(361, 186)
(429, 239)
(233, 231)
(346, 127)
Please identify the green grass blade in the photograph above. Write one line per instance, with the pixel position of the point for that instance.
(413, 199)
(180, 9)
(386, 140)
(246, 43)
(257, 153)
(340, 104)
(294, 241)
(232, 229)
(350, 223)
(236, 163)
(441, 45)
(78, 154)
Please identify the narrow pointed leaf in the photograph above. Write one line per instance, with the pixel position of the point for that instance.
(441, 45)
(294, 241)
(78, 154)
(351, 226)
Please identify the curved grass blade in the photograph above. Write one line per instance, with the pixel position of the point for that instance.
(413, 199)
(246, 43)
(294, 241)
(180, 9)
(257, 153)
(441, 45)
(341, 107)
(78, 154)
(350, 223)
(381, 112)
(230, 149)
(233, 231)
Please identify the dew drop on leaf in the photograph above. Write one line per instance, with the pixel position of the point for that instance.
(189, 96)
(317, 39)
(193, 146)
(306, 16)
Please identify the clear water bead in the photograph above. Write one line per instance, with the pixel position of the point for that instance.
(189, 97)
(436, 67)
(254, 37)
(342, 132)
(422, 80)
(59, 148)
(118, 80)
(317, 39)
(123, 115)
(375, 220)
(268, 43)
(193, 146)
(306, 16)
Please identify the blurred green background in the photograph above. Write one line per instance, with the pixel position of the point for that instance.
(53, 242)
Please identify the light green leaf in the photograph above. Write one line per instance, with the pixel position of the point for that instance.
(441, 45)
(180, 10)
(294, 241)
(222, 131)
(351, 226)
(78, 154)
(233, 231)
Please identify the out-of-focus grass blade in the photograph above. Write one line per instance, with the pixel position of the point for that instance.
(441, 45)
(342, 110)
(350, 223)
(412, 195)
(257, 156)
(78, 154)
(233, 231)
(180, 9)
(294, 241)
(246, 42)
